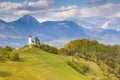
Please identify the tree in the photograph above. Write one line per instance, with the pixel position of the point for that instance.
(8, 48)
(37, 42)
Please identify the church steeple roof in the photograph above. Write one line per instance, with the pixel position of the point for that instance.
(29, 36)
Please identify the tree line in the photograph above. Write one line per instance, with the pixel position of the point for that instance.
(45, 47)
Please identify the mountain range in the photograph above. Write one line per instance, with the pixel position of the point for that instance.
(56, 33)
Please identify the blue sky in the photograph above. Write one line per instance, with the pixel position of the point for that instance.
(45, 10)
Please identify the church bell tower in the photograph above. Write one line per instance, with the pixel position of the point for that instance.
(30, 40)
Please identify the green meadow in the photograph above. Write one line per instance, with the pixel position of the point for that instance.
(36, 64)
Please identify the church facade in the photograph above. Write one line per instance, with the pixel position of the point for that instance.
(30, 41)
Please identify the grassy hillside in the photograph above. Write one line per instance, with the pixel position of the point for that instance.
(106, 56)
(36, 64)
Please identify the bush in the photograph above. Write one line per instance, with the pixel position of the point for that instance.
(3, 55)
(2, 58)
(8, 48)
(14, 56)
(78, 66)
(49, 48)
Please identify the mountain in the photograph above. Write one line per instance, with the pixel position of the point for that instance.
(63, 29)
(112, 24)
(26, 25)
(109, 36)
(86, 24)
(57, 33)
(3, 24)
(26, 20)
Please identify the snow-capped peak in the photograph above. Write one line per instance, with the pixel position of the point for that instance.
(105, 25)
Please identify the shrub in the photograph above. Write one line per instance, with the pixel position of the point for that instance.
(3, 55)
(8, 48)
(78, 66)
(14, 56)
(49, 48)
(2, 58)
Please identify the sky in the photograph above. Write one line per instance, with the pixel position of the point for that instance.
(54, 10)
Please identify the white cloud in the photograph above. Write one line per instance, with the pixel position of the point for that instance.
(62, 13)
(24, 8)
(21, 12)
(107, 10)
(75, 12)
(41, 4)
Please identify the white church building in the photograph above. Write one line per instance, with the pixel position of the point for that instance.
(30, 41)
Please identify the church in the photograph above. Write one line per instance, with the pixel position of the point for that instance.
(30, 41)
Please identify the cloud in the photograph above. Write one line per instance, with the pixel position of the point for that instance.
(25, 7)
(39, 5)
(8, 7)
(21, 12)
(75, 12)
(106, 10)
(62, 13)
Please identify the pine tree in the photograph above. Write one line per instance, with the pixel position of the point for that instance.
(37, 42)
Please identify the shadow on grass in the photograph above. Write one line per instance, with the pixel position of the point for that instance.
(21, 60)
(24, 59)
(4, 74)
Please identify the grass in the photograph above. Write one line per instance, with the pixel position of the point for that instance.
(36, 64)
(94, 72)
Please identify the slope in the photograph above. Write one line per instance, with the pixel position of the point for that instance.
(36, 64)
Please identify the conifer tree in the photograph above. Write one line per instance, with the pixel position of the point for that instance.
(37, 42)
